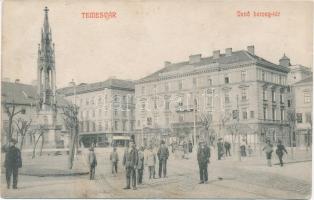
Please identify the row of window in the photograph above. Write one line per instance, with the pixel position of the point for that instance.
(273, 114)
(271, 77)
(92, 113)
(90, 126)
(209, 82)
(273, 96)
(209, 100)
(100, 100)
(299, 118)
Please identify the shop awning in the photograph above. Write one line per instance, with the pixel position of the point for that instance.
(91, 133)
(118, 137)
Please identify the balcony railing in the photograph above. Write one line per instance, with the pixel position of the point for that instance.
(188, 108)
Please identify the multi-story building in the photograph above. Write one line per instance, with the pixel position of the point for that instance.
(236, 90)
(298, 77)
(303, 92)
(106, 111)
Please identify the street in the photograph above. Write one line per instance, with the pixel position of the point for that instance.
(228, 178)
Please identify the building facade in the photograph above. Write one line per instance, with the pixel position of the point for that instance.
(106, 111)
(239, 92)
(303, 93)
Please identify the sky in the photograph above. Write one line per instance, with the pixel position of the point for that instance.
(144, 34)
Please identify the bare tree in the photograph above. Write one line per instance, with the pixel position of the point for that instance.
(23, 128)
(41, 130)
(206, 120)
(10, 109)
(71, 122)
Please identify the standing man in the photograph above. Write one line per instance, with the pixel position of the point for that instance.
(114, 157)
(268, 150)
(227, 148)
(220, 149)
(150, 161)
(12, 163)
(92, 161)
(280, 150)
(203, 155)
(130, 161)
(243, 148)
(140, 165)
(190, 146)
(163, 154)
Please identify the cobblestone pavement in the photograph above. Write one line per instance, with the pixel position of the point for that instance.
(227, 179)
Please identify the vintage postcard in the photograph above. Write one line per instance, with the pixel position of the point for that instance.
(156, 99)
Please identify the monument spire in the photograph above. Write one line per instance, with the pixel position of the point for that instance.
(46, 66)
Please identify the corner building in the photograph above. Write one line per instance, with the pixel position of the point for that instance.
(235, 89)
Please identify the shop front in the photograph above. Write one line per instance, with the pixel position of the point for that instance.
(94, 139)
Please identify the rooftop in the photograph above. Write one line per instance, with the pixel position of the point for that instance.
(306, 80)
(112, 83)
(214, 63)
(23, 94)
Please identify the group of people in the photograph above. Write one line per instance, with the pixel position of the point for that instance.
(280, 150)
(134, 161)
(186, 147)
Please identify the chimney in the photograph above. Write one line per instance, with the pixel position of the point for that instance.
(216, 54)
(228, 51)
(195, 58)
(167, 63)
(250, 49)
(17, 80)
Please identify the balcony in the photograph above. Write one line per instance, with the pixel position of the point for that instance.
(277, 121)
(188, 108)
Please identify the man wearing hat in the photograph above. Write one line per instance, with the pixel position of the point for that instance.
(130, 161)
(203, 155)
(92, 161)
(12, 163)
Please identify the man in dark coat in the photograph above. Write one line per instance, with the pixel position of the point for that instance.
(190, 146)
(130, 161)
(279, 151)
(140, 165)
(92, 161)
(227, 148)
(163, 154)
(220, 149)
(12, 163)
(203, 155)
